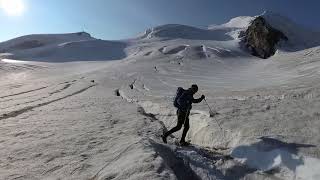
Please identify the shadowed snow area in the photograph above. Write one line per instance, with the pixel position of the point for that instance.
(97, 119)
(271, 154)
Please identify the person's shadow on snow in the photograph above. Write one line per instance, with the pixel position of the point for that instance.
(268, 154)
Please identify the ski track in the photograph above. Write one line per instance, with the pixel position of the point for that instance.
(29, 108)
(2, 97)
(38, 95)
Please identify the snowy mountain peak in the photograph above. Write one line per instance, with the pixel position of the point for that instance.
(39, 40)
(237, 22)
(80, 46)
(177, 31)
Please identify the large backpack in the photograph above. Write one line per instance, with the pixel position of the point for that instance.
(179, 93)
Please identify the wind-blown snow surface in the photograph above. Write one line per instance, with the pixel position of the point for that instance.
(103, 119)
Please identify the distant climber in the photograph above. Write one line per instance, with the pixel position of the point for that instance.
(183, 102)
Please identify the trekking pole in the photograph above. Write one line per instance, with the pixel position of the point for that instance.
(211, 112)
(212, 115)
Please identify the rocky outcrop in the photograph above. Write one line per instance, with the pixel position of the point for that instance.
(261, 38)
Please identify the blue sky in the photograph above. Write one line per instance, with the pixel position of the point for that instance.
(119, 19)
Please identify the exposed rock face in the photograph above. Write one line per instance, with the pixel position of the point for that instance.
(261, 39)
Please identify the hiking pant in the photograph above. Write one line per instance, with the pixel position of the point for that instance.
(183, 119)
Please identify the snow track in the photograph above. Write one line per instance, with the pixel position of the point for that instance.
(29, 108)
(22, 92)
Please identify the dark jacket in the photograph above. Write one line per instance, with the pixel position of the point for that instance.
(185, 101)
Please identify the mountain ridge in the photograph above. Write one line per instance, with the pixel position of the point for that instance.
(224, 36)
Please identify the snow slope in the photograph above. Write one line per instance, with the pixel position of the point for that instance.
(103, 119)
(62, 47)
(21, 43)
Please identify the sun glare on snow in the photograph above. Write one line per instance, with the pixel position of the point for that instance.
(12, 7)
